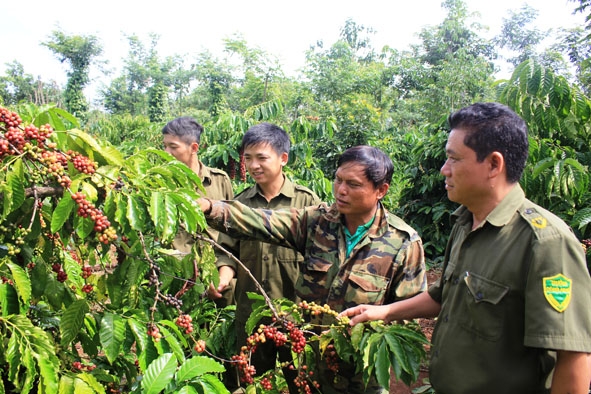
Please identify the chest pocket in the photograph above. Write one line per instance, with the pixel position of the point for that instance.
(365, 288)
(288, 255)
(484, 317)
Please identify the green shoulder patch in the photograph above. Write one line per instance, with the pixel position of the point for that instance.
(557, 290)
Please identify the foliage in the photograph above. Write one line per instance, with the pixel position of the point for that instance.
(94, 298)
(557, 115)
(79, 52)
(89, 284)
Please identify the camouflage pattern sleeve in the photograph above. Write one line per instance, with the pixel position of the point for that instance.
(283, 227)
(413, 279)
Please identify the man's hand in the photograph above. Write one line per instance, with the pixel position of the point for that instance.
(226, 275)
(361, 313)
(205, 205)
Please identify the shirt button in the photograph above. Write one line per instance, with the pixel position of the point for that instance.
(265, 258)
(456, 281)
(479, 296)
(446, 319)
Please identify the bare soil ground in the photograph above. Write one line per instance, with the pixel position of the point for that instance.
(427, 325)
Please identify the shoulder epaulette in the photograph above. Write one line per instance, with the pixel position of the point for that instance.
(401, 225)
(303, 189)
(217, 171)
(542, 222)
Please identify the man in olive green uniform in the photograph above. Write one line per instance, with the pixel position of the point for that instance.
(513, 302)
(181, 138)
(354, 250)
(266, 151)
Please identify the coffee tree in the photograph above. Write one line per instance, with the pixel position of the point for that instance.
(93, 299)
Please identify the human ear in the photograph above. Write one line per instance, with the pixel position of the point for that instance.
(496, 164)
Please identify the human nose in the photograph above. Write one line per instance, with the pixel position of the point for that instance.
(444, 170)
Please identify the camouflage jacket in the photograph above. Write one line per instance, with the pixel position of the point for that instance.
(386, 265)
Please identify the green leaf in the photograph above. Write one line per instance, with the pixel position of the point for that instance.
(197, 366)
(187, 390)
(136, 213)
(212, 384)
(62, 212)
(112, 334)
(22, 285)
(9, 303)
(15, 180)
(73, 320)
(156, 208)
(66, 385)
(159, 374)
(91, 382)
(382, 365)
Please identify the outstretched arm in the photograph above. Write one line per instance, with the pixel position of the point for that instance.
(421, 305)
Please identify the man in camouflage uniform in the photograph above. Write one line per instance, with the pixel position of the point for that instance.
(513, 302)
(181, 138)
(354, 250)
(266, 151)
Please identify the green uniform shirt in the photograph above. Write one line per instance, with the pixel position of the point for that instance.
(217, 186)
(511, 289)
(275, 267)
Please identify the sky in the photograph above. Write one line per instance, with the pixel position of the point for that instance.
(284, 29)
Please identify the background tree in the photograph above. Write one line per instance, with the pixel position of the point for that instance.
(79, 52)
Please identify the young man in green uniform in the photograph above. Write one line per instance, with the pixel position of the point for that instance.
(513, 302)
(266, 151)
(354, 251)
(181, 138)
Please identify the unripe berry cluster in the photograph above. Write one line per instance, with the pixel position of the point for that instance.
(200, 346)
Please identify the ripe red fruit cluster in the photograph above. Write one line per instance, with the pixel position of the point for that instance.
(184, 321)
(9, 118)
(87, 288)
(82, 163)
(245, 370)
(61, 274)
(86, 272)
(232, 168)
(266, 384)
(242, 168)
(302, 381)
(297, 338)
(101, 224)
(77, 365)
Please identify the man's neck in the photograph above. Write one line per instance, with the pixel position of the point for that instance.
(272, 189)
(497, 195)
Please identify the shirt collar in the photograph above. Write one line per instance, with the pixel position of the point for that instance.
(501, 214)
(287, 189)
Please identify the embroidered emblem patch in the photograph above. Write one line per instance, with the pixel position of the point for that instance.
(557, 290)
(539, 222)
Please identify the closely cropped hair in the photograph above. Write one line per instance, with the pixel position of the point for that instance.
(493, 127)
(378, 166)
(185, 128)
(267, 133)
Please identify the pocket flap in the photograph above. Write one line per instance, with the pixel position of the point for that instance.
(483, 289)
(368, 282)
